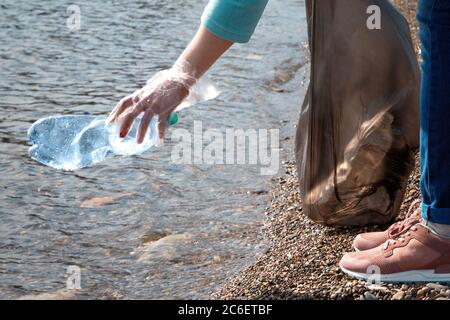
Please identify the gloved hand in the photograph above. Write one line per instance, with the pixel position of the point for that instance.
(159, 97)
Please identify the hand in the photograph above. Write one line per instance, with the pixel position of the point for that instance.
(160, 100)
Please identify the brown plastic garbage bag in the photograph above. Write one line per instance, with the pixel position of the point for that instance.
(359, 125)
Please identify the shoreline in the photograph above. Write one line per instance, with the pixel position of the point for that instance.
(302, 260)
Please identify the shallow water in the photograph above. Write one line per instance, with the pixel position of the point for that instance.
(142, 226)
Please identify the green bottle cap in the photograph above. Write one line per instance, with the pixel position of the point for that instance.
(173, 119)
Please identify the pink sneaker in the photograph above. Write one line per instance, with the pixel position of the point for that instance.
(418, 255)
(369, 240)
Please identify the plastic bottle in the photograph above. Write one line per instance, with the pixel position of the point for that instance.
(76, 141)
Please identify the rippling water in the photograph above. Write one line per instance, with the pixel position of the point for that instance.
(138, 227)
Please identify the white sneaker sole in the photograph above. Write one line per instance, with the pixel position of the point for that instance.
(407, 276)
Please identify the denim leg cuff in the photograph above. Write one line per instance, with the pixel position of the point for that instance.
(436, 215)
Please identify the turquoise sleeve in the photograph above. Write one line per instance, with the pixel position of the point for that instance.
(233, 20)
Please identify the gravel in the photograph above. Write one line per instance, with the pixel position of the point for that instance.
(302, 261)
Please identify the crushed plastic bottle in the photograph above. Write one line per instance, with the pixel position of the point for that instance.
(70, 142)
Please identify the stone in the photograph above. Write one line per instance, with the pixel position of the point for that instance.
(165, 248)
(437, 286)
(369, 296)
(96, 202)
(399, 295)
(422, 292)
(63, 294)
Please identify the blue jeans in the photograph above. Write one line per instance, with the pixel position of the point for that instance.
(434, 20)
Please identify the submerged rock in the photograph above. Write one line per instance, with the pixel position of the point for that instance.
(63, 294)
(164, 248)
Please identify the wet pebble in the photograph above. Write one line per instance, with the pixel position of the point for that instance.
(437, 286)
(369, 296)
(399, 295)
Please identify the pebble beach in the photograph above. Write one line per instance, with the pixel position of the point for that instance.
(302, 260)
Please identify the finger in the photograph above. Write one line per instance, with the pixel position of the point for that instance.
(143, 127)
(112, 116)
(119, 109)
(129, 118)
(162, 125)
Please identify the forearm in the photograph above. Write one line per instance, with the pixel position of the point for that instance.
(203, 51)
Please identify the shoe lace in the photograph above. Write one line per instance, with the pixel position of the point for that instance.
(401, 238)
(412, 217)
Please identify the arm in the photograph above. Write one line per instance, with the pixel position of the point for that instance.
(162, 98)
(205, 49)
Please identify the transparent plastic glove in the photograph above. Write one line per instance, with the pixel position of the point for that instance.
(162, 94)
